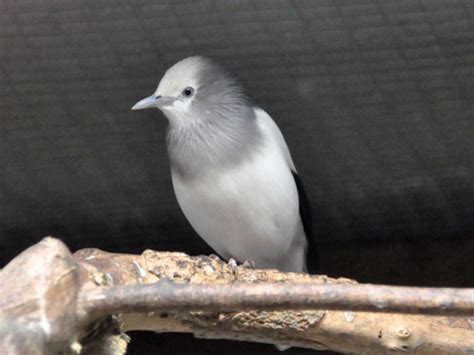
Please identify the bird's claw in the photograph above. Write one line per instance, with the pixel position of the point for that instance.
(214, 257)
(247, 264)
(233, 263)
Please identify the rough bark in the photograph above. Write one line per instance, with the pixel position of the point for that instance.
(53, 301)
(342, 331)
(39, 291)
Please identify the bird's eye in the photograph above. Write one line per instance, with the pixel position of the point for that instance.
(188, 92)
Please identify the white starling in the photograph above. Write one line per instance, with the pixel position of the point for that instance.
(231, 169)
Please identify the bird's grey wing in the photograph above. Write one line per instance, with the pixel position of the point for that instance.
(312, 254)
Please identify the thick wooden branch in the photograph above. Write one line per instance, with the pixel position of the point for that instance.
(220, 309)
(167, 295)
(54, 301)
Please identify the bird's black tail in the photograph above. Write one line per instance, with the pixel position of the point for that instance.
(312, 253)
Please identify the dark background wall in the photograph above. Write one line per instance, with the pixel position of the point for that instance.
(375, 99)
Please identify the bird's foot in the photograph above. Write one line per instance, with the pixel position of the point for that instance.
(233, 264)
(247, 264)
(214, 257)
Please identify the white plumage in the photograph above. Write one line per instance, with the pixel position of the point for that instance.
(250, 211)
(232, 171)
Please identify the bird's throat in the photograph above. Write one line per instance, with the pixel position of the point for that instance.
(202, 147)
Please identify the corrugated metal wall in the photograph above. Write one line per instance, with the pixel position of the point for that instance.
(375, 99)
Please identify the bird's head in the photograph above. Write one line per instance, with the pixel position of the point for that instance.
(196, 88)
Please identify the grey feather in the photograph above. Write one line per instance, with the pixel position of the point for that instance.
(224, 130)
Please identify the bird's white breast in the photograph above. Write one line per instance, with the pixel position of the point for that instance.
(248, 211)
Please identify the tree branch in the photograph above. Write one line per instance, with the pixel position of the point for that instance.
(205, 297)
(168, 296)
(53, 301)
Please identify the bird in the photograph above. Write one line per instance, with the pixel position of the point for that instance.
(231, 169)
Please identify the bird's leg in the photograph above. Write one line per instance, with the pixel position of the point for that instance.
(249, 264)
(215, 257)
(233, 263)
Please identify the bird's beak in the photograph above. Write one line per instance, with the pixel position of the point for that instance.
(156, 101)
